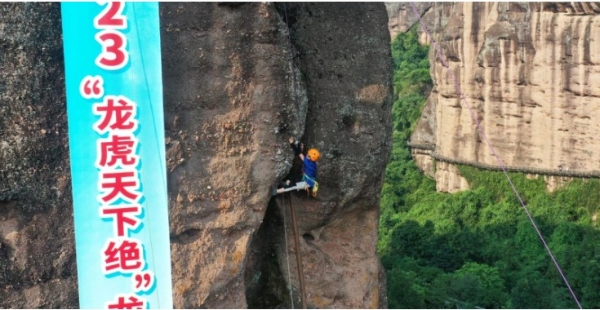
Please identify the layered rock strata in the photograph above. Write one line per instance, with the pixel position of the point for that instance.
(527, 70)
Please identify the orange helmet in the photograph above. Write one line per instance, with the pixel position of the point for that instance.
(313, 155)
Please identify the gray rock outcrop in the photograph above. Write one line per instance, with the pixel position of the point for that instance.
(230, 106)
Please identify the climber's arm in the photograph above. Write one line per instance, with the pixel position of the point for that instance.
(298, 147)
(301, 151)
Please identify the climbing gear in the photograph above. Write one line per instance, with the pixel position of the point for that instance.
(314, 155)
(287, 255)
(315, 187)
(298, 253)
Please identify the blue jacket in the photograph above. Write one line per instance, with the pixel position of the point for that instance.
(309, 168)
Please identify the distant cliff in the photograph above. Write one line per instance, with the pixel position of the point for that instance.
(528, 70)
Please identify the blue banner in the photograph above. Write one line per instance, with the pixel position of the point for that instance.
(116, 138)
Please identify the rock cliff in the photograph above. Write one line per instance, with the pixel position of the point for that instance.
(230, 105)
(528, 72)
(37, 244)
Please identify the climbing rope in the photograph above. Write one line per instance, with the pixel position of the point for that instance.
(500, 164)
(287, 256)
(298, 253)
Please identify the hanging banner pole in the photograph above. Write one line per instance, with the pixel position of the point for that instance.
(116, 138)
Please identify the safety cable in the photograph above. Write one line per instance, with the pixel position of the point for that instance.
(287, 256)
(500, 164)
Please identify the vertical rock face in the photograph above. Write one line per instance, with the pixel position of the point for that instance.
(349, 92)
(37, 253)
(401, 16)
(230, 106)
(528, 71)
(37, 262)
(227, 110)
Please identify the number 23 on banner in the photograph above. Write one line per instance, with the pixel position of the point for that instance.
(114, 56)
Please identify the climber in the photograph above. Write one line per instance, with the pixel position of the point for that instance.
(309, 170)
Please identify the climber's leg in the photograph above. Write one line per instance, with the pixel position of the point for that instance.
(298, 186)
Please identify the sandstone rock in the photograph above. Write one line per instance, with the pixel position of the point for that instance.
(448, 178)
(527, 71)
(234, 74)
(424, 161)
(401, 16)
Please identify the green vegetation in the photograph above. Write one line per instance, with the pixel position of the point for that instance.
(477, 248)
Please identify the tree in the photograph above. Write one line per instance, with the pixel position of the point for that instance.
(472, 286)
